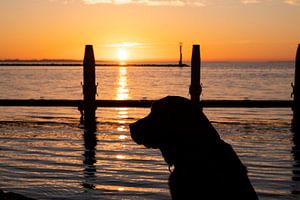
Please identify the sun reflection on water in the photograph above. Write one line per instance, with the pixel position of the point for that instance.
(122, 93)
(120, 157)
(122, 129)
(122, 90)
(122, 137)
(123, 114)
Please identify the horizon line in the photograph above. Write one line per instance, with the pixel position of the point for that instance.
(145, 60)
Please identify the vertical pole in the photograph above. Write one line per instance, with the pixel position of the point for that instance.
(89, 87)
(296, 92)
(195, 87)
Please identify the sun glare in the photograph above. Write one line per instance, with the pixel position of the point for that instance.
(122, 55)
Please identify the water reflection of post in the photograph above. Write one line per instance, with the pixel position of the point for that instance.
(296, 165)
(90, 142)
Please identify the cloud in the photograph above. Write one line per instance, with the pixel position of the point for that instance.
(250, 1)
(125, 44)
(176, 3)
(292, 2)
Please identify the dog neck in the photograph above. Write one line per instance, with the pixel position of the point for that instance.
(189, 157)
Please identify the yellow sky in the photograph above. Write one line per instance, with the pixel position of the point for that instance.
(150, 29)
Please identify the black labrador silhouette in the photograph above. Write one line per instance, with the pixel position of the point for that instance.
(205, 167)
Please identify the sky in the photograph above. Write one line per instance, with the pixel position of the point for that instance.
(150, 30)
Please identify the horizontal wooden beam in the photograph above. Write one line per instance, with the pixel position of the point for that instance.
(80, 65)
(147, 103)
(41, 102)
(247, 103)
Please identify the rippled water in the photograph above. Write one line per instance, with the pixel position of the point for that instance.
(45, 153)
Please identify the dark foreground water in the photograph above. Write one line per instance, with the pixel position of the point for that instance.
(44, 154)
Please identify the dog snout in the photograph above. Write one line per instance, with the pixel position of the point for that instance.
(141, 132)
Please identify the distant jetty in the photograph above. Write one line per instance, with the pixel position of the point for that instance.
(80, 64)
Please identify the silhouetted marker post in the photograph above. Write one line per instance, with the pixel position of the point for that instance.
(296, 92)
(195, 87)
(180, 54)
(89, 88)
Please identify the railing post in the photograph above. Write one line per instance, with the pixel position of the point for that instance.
(195, 87)
(89, 87)
(296, 92)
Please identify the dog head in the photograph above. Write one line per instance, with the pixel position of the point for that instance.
(173, 122)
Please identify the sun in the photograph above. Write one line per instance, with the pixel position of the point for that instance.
(122, 55)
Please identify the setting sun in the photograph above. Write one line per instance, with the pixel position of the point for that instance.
(122, 55)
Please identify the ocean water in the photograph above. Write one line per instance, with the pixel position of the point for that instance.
(44, 154)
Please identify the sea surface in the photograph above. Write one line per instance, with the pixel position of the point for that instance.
(44, 154)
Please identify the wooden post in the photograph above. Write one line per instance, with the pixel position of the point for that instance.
(296, 92)
(195, 87)
(89, 87)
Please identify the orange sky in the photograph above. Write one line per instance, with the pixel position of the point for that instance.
(150, 29)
